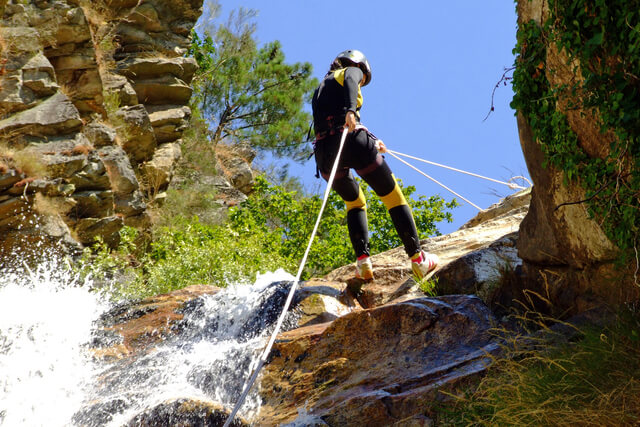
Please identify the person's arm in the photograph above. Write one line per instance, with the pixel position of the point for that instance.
(352, 78)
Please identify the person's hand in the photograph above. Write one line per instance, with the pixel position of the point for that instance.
(350, 121)
(380, 146)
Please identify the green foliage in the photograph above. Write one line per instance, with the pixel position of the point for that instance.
(246, 92)
(182, 254)
(593, 381)
(286, 220)
(603, 38)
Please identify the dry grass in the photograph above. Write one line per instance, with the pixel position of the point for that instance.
(594, 381)
(24, 161)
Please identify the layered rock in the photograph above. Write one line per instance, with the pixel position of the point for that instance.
(93, 100)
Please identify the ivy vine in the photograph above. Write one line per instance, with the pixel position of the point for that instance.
(604, 37)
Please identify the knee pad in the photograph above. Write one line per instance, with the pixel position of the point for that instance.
(359, 203)
(394, 198)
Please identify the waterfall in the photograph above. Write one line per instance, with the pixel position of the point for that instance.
(48, 376)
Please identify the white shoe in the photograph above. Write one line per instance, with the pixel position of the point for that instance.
(364, 269)
(425, 264)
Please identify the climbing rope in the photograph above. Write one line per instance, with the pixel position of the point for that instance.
(434, 180)
(511, 185)
(267, 350)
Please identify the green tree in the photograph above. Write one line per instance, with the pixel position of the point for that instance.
(246, 92)
(286, 219)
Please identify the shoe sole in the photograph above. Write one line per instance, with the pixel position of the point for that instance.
(417, 272)
(366, 275)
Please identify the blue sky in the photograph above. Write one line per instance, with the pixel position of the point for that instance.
(435, 65)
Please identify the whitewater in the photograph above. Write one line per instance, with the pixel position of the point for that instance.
(50, 320)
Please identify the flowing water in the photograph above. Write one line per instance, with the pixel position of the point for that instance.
(49, 321)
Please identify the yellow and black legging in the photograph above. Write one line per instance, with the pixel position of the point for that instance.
(360, 154)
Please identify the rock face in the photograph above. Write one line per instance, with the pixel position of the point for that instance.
(93, 106)
(565, 252)
(383, 365)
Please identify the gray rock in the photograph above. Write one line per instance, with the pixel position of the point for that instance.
(240, 174)
(159, 170)
(87, 229)
(166, 89)
(168, 121)
(92, 204)
(54, 116)
(130, 204)
(20, 39)
(121, 174)
(93, 175)
(99, 134)
(137, 136)
(119, 85)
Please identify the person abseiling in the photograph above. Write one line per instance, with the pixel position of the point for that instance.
(336, 104)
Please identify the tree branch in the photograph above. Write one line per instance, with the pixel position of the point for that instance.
(502, 80)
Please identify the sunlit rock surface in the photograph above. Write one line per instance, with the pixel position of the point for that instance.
(93, 98)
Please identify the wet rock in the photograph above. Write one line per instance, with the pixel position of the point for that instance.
(186, 413)
(145, 323)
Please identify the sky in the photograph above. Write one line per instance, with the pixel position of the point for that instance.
(434, 67)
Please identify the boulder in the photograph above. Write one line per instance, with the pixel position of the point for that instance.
(92, 204)
(129, 205)
(86, 230)
(168, 121)
(164, 89)
(159, 170)
(99, 134)
(239, 173)
(382, 365)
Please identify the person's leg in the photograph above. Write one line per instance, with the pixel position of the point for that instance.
(378, 175)
(348, 189)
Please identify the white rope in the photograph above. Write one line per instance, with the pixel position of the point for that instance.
(434, 180)
(287, 303)
(508, 184)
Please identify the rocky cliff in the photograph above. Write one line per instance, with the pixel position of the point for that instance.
(93, 103)
(567, 256)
